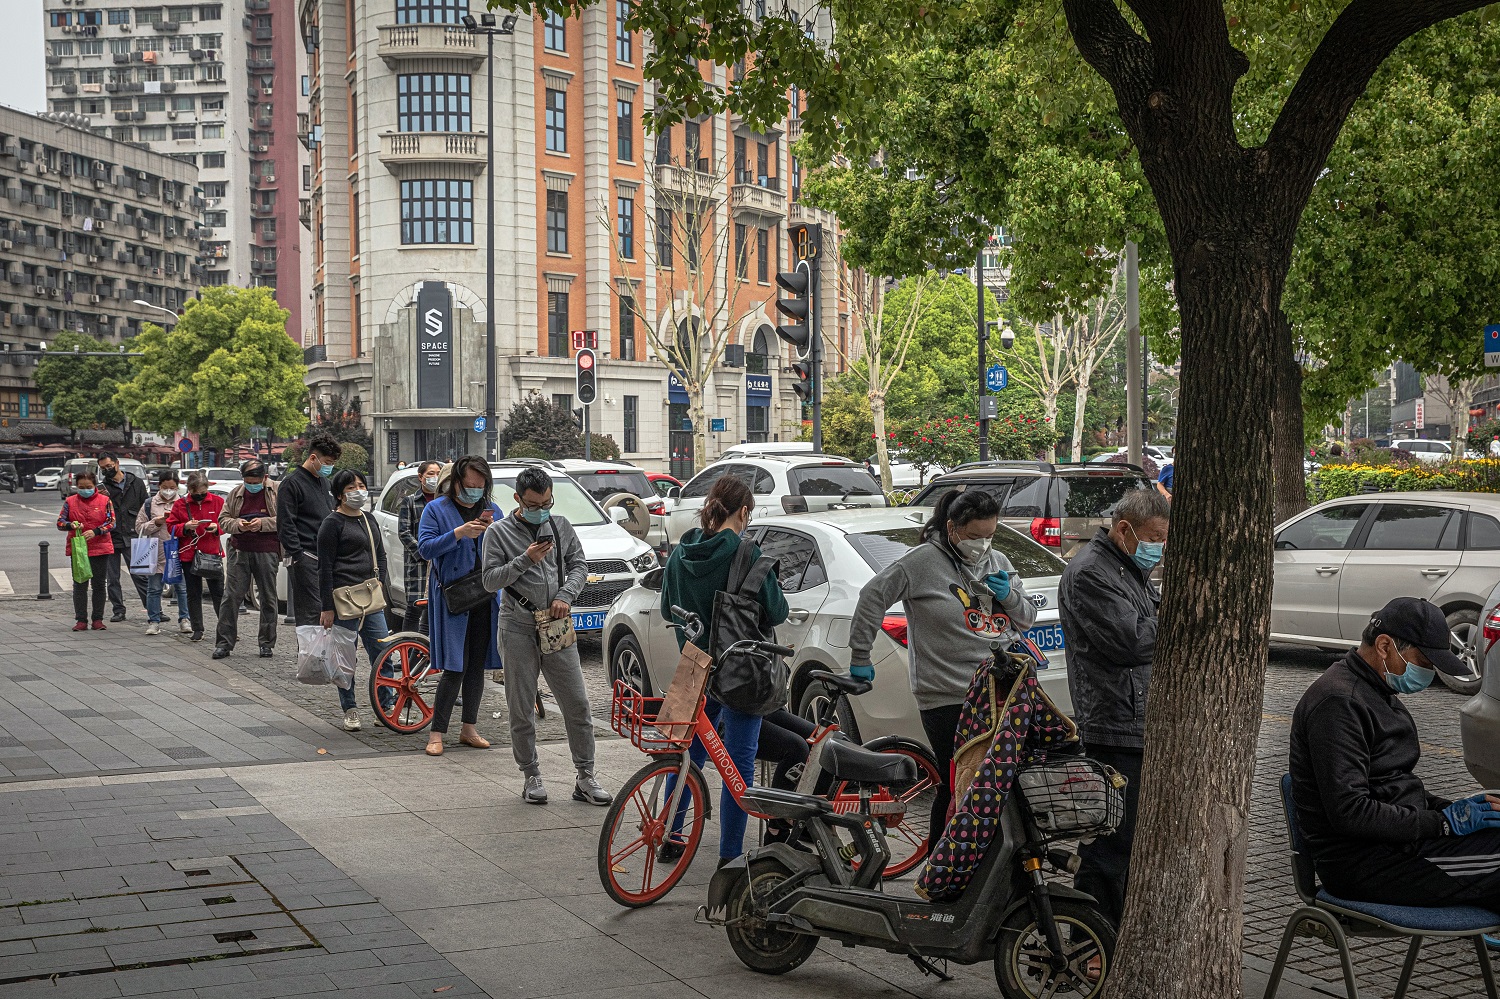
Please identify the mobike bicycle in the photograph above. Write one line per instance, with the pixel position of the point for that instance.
(1045, 939)
(652, 830)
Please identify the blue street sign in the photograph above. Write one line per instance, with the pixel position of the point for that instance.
(479, 424)
(717, 425)
(1492, 346)
(996, 378)
(687, 424)
(184, 445)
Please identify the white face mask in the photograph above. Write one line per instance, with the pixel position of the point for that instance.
(973, 550)
(430, 483)
(357, 498)
(167, 494)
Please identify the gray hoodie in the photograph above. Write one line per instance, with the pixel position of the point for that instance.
(952, 620)
(507, 565)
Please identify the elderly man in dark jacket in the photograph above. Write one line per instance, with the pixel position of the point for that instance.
(1108, 607)
(128, 493)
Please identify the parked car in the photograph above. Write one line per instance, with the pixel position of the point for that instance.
(824, 562)
(904, 474)
(47, 478)
(663, 483)
(75, 465)
(783, 484)
(605, 480)
(223, 476)
(1479, 718)
(1059, 505)
(153, 475)
(1427, 452)
(1159, 453)
(10, 478)
(1339, 562)
(766, 449)
(616, 560)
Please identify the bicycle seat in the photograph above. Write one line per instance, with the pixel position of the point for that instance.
(846, 684)
(846, 761)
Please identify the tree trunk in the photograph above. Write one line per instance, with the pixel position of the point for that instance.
(882, 452)
(1288, 436)
(1080, 402)
(696, 410)
(1049, 410)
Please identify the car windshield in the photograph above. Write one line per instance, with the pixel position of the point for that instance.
(604, 484)
(225, 475)
(832, 480)
(568, 500)
(880, 548)
(1095, 495)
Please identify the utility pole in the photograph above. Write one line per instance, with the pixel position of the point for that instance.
(1135, 398)
(984, 338)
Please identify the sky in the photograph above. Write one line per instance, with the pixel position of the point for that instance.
(22, 52)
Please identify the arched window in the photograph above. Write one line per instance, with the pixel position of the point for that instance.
(758, 361)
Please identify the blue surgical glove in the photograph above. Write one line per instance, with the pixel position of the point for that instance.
(862, 671)
(999, 584)
(1471, 814)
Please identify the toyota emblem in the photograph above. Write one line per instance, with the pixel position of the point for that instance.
(1038, 600)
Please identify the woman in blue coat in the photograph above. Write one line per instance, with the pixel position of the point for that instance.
(463, 645)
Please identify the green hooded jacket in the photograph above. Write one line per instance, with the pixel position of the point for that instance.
(699, 568)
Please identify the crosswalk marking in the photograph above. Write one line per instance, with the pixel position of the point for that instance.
(6, 590)
(62, 580)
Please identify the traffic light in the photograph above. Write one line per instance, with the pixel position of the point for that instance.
(588, 388)
(803, 385)
(797, 309)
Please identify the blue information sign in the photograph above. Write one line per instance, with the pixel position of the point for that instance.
(479, 424)
(717, 425)
(996, 378)
(1492, 346)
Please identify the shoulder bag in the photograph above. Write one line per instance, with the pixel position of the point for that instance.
(746, 683)
(467, 592)
(553, 634)
(360, 600)
(206, 564)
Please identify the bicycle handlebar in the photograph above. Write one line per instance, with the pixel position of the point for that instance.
(764, 648)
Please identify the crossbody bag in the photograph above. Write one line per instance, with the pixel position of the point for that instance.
(467, 592)
(552, 634)
(360, 600)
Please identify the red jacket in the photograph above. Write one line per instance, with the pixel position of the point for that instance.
(96, 514)
(203, 538)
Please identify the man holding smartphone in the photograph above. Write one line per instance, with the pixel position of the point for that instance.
(249, 521)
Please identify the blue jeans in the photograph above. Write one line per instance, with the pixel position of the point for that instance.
(740, 734)
(154, 588)
(370, 633)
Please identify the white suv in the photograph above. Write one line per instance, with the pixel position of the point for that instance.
(782, 484)
(616, 560)
(605, 479)
(1427, 452)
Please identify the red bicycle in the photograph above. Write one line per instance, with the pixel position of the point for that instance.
(652, 830)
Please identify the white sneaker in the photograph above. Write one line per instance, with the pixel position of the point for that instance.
(185, 626)
(351, 720)
(154, 628)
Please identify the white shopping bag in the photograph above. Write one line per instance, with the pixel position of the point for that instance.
(344, 646)
(144, 553)
(317, 660)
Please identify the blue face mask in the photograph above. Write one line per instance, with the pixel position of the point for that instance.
(325, 471)
(536, 516)
(1147, 554)
(471, 495)
(86, 493)
(1415, 679)
(254, 487)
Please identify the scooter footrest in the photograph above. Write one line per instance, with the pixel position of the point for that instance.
(779, 804)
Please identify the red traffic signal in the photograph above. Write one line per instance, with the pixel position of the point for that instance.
(588, 388)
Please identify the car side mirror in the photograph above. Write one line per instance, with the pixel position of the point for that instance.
(674, 493)
(652, 579)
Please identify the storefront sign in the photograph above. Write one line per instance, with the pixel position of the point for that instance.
(392, 447)
(676, 393)
(758, 390)
(434, 346)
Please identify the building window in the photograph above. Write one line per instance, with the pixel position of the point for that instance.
(437, 211)
(758, 361)
(664, 146)
(121, 133)
(213, 161)
(182, 103)
(63, 48)
(625, 212)
(152, 133)
(564, 402)
(623, 47)
(214, 42)
(92, 47)
(306, 177)
(431, 11)
(756, 420)
(216, 220)
(182, 74)
(664, 238)
(627, 328)
(762, 256)
(92, 106)
(741, 251)
(557, 324)
(557, 221)
(119, 16)
(692, 144)
(690, 240)
(557, 120)
(631, 405)
(179, 15)
(91, 76)
(191, 131)
(625, 128)
(211, 12)
(213, 103)
(148, 15)
(215, 189)
(212, 131)
(554, 32)
(433, 102)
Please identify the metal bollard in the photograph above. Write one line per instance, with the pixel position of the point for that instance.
(45, 593)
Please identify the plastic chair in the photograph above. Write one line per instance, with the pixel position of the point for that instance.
(1340, 919)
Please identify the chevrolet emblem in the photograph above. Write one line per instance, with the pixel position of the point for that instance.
(596, 579)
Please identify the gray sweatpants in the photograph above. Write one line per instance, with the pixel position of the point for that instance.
(564, 672)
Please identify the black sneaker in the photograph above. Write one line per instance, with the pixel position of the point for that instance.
(220, 651)
(265, 652)
(196, 636)
(669, 851)
(118, 617)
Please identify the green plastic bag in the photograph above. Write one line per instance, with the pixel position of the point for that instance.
(79, 548)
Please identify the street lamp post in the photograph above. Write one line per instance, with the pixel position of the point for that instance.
(485, 25)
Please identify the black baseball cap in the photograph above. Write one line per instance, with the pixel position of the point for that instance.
(1420, 623)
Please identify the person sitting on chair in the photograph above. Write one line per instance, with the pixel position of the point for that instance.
(1374, 832)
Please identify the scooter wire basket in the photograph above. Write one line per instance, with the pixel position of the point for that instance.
(1073, 797)
(635, 717)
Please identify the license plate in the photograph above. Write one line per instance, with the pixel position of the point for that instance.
(593, 621)
(1048, 637)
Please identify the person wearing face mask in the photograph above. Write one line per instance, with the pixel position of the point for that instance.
(963, 601)
(415, 566)
(128, 493)
(88, 516)
(534, 557)
(152, 523)
(303, 502)
(1108, 607)
(1374, 832)
(350, 551)
(249, 520)
(194, 522)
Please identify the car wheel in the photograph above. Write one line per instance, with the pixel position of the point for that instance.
(1464, 626)
(814, 700)
(627, 663)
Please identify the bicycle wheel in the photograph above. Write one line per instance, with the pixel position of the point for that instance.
(634, 867)
(403, 684)
(904, 808)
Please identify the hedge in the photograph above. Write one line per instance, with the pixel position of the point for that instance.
(1333, 481)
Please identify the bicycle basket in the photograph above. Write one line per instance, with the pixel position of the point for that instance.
(1075, 798)
(634, 716)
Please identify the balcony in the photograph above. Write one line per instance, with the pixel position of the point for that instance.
(304, 214)
(314, 354)
(697, 185)
(262, 211)
(807, 213)
(739, 126)
(254, 6)
(794, 130)
(263, 267)
(754, 199)
(262, 34)
(263, 182)
(260, 64)
(455, 150)
(167, 27)
(399, 42)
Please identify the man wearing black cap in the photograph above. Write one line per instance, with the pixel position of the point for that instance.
(249, 521)
(1374, 832)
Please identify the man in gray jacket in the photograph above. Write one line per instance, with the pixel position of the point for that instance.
(537, 560)
(1108, 606)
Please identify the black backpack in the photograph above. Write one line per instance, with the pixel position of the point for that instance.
(746, 683)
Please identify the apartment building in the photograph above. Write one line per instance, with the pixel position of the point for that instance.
(399, 101)
(216, 85)
(88, 227)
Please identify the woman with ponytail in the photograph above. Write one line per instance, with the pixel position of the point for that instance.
(963, 601)
(698, 569)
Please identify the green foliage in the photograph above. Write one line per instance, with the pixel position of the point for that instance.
(1480, 437)
(848, 428)
(601, 446)
(341, 420)
(353, 457)
(226, 366)
(952, 440)
(526, 449)
(1333, 481)
(294, 455)
(81, 390)
(547, 427)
